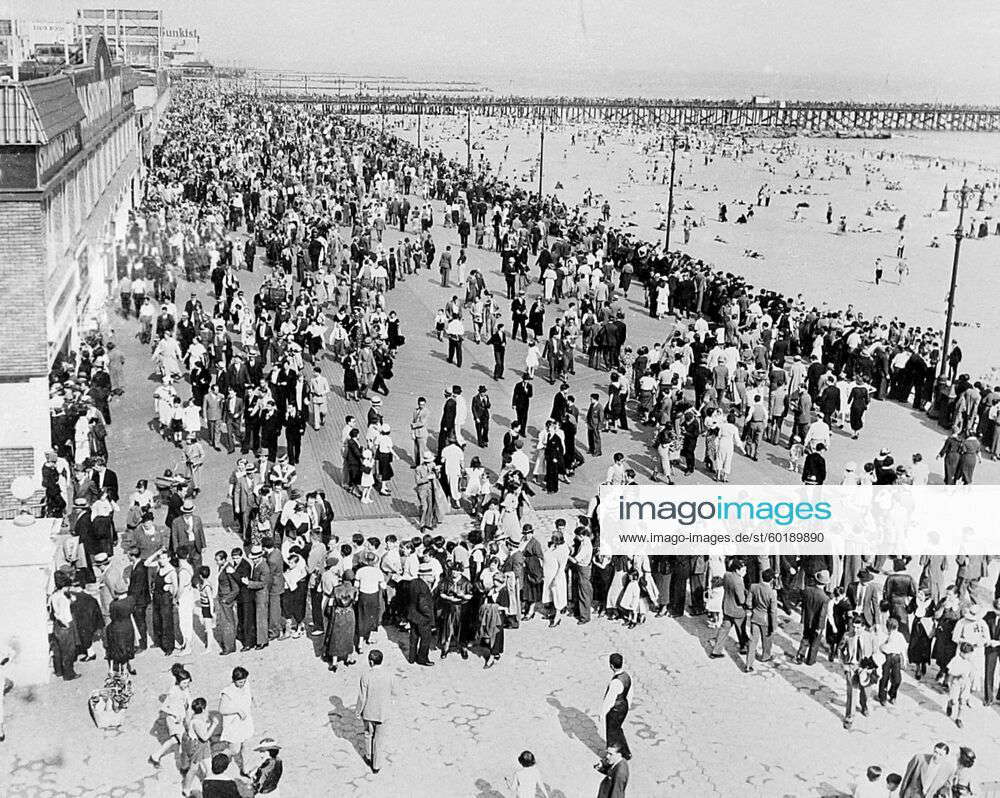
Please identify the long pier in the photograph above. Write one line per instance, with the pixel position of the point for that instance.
(797, 115)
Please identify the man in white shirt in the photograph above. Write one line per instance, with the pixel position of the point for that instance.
(455, 331)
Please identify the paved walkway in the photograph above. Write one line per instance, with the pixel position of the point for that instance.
(698, 727)
(421, 370)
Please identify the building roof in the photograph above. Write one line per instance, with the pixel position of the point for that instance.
(38, 111)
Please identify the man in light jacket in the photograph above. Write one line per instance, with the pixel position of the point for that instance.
(374, 708)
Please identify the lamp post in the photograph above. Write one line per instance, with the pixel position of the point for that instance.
(962, 197)
(541, 159)
(420, 110)
(670, 194)
(468, 137)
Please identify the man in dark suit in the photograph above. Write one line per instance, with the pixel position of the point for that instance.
(481, 416)
(519, 317)
(236, 377)
(246, 618)
(615, 770)
(698, 566)
(763, 617)
(863, 595)
(595, 423)
(174, 504)
(992, 619)
(104, 479)
(522, 400)
(900, 594)
(446, 430)
(499, 343)
(734, 602)
(559, 403)
(188, 530)
(814, 606)
(421, 616)
(138, 591)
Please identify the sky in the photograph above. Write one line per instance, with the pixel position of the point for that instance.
(863, 49)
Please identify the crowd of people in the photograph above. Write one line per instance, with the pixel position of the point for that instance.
(241, 185)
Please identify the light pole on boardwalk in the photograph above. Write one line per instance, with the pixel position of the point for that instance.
(670, 194)
(541, 159)
(420, 108)
(468, 136)
(962, 197)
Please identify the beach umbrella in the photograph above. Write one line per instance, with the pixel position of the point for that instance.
(802, 205)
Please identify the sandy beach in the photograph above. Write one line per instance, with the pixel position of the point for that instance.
(804, 255)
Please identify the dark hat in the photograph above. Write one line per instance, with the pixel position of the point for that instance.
(482, 389)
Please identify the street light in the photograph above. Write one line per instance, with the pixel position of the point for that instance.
(674, 140)
(541, 159)
(962, 197)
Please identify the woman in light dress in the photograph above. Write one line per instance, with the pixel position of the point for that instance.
(539, 471)
(639, 592)
(176, 711)
(201, 728)
(185, 602)
(727, 441)
(554, 561)
(532, 358)
(81, 438)
(477, 488)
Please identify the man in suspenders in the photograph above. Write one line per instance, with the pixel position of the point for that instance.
(616, 703)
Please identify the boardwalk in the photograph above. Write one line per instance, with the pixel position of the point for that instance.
(797, 115)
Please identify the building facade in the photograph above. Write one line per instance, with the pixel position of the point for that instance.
(134, 35)
(69, 174)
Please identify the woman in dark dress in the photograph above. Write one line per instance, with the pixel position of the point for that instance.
(341, 638)
(554, 461)
(394, 339)
(949, 610)
(536, 318)
(857, 400)
(921, 636)
(531, 586)
(952, 454)
(351, 384)
(119, 636)
(491, 620)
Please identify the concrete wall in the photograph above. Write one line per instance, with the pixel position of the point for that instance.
(25, 572)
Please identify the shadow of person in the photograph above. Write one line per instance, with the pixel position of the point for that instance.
(345, 725)
(486, 790)
(577, 724)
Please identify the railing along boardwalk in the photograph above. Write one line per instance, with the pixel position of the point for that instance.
(798, 115)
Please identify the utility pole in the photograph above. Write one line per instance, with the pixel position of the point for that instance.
(962, 195)
(468, 136)
(541, 160)
(420, 108)
(670, 195)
